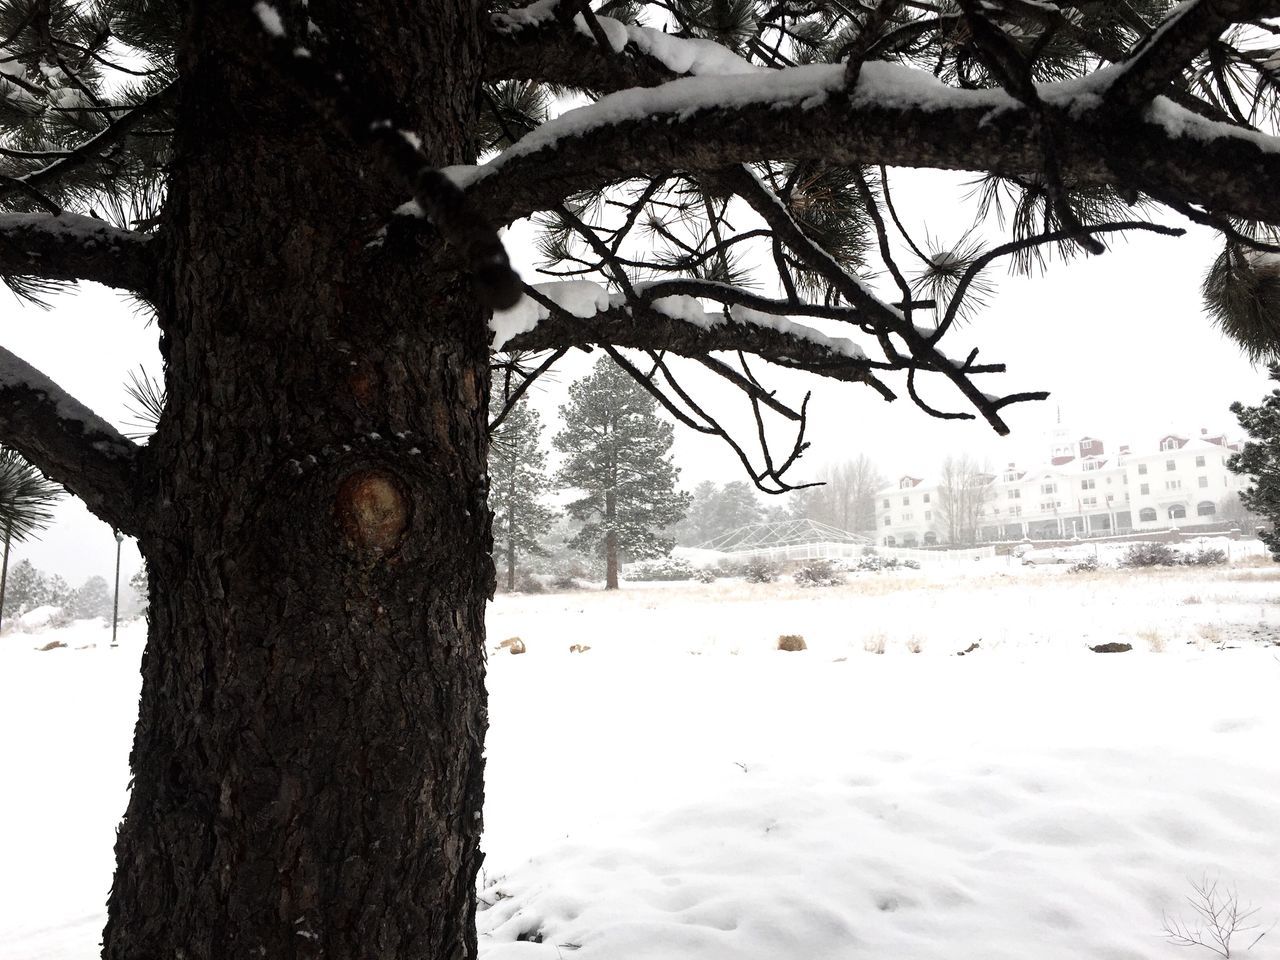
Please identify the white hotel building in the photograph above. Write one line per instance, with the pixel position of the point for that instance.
(1081, 491)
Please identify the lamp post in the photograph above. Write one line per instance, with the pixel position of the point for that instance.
(115, 606)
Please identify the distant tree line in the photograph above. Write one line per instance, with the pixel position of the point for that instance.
(29, 587)
(617, 486)
(617, 477)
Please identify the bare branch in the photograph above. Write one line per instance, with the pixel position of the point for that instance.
(69, 443)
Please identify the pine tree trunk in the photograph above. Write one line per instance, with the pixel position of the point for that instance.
(4, 571)
(308, 774)
(610, 543)
(511, 531)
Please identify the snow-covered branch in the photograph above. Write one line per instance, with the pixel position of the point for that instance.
(535, 43)
(68, 442)
(895, 115)
(1171, 48)
(582, 313)
(72, 247)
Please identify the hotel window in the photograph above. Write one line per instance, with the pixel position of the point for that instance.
(1199, 461)
(1144, 489)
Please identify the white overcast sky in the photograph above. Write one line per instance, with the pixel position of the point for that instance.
(1120, 340)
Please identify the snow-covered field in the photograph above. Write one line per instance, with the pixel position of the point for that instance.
(684, 791)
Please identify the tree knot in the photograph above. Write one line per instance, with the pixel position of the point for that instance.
(373, 510)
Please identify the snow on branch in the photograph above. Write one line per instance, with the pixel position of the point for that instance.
(536, 43)
(734, 328)
(68, 442)
(70, 247)
(894, 115)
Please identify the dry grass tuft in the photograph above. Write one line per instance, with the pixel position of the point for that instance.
(875, 643)
(1191, 600)
(791, 643)
(1207, 635)
(1152, 638)
(1255, 576)
(915, 644)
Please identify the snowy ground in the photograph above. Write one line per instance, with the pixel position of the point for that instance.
(683, 791)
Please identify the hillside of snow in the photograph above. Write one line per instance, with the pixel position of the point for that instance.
(683, 790)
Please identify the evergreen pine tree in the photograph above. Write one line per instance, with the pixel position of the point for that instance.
(699, 520)
(618, 454)
(518, 482)
(737, 506)
(1260, 460)
(25, 589)
(26, 507)
(138, 584)
(92, 599)
(268, 178)
(57, 591)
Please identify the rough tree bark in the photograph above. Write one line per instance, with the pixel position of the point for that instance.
(307, 762)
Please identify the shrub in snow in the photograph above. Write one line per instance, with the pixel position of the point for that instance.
(1114, 647)
(664, 568)
(1204, 558)
(1087, 565)
(1150, 555)
(820, 573)
(871, 563)
(705, 575)
(759, 570)
(579, 648)
(791, 643)
(526, 582)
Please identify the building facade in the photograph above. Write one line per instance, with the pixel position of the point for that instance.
(1081, 490)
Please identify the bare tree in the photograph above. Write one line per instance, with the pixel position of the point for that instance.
(846, 498)
(963, 488)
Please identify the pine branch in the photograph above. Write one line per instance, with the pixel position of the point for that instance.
(641, 326)
(69, 443)
(1175, 43)
(905, 118)
(69, 247)
(884, 319)
(91, 150)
